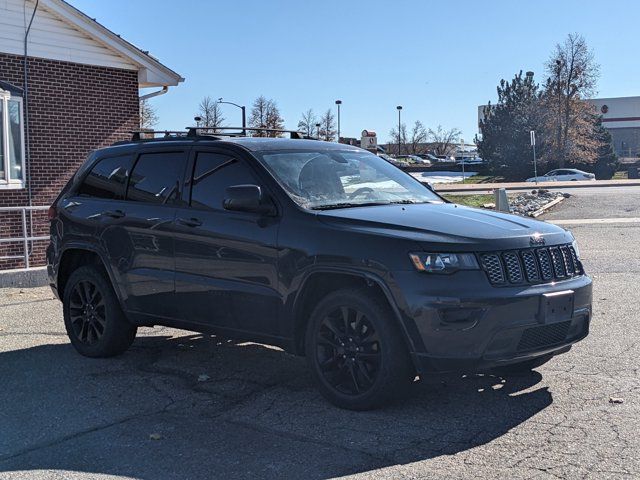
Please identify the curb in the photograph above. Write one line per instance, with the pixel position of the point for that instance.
(481, 187)
(546, 207)
(33, 277)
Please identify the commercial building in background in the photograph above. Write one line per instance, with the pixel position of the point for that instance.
(621, 116)
(74, 89)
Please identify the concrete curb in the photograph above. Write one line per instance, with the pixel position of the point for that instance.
(482, 187)
(546, 207)
(34, 277)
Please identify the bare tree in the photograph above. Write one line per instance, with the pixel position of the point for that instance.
(327, 126)
(265, 114)
(573, 75)
(444, 140)
(307, 123)
(400, 138)
(418, 138)
(148, 115)
(210, 114)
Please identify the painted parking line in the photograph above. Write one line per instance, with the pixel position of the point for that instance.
(592, 221)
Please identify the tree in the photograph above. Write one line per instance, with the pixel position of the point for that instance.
(148, 115)
(327, 126)
(417, 138)
(573, 76)
(398, 138)
(443, 139)
(307, 123)
(265, 114)
(210, 114)
(505, 128)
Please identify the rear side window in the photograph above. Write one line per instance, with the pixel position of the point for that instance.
(107, 178)
(156, 177)
(212, 174)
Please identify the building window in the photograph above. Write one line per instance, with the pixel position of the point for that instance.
(11, 141)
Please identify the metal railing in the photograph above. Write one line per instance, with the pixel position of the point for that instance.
(25, 238)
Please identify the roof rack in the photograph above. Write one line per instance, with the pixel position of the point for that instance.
(137, 135)
(241, 131)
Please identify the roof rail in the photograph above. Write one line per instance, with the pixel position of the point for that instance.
(241, 131)
(137, 135)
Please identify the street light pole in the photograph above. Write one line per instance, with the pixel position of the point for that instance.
(462, 157)
(244, 116)
(338, 103)
(399, 107)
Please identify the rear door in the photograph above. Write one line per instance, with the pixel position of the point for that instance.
(226, 262)
(144, 245)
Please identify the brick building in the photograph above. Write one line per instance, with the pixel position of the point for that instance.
(81, 93)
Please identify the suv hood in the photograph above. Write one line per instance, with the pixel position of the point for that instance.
(446, 225)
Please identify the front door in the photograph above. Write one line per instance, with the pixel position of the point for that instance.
(226, 262)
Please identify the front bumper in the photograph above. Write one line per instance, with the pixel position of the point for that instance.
(486, 326)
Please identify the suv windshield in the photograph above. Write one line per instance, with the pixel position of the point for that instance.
(324, 179)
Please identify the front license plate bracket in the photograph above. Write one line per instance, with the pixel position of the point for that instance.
(556, 306)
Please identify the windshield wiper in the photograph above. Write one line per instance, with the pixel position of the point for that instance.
(331, 206)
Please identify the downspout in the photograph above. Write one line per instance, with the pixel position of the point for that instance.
(27, 143)
(164, 90)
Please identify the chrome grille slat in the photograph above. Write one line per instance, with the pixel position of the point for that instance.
(517, 267)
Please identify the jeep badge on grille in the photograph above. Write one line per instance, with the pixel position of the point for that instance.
(536, 240)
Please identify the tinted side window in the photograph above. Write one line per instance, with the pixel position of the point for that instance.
(156, 176)
(212, 174)
(107, 178)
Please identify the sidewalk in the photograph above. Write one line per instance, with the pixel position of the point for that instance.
(483, 187)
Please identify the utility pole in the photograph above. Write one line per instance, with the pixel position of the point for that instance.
(338, 103)
(399, 107)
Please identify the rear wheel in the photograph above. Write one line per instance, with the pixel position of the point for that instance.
(356, 352)
(94, 321)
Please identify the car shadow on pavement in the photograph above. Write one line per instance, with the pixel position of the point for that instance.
(196, 406)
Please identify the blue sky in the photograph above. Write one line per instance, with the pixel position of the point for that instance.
(439, 59)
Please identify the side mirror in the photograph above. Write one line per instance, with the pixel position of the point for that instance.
(248, 198)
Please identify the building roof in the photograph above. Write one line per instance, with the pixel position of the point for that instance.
(151, 72)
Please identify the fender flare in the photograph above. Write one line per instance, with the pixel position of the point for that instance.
(369, 277)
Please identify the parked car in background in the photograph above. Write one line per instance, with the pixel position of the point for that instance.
(414, 159)
(430, 157)
(563, 175)
(391, 160)
(470, 161)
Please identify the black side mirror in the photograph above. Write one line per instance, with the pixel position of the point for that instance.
(248, 198)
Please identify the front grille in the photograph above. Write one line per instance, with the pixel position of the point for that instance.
(517, 267)
(543, 336)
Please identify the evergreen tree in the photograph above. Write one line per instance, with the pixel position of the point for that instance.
(506, 127)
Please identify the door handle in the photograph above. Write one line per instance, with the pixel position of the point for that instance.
(113, 213)
(189, 222)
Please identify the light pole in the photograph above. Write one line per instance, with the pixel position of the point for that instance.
(399, 107)
(244, 116)
(318, 131)
(535, 163)
(338, 103)
(462, 157)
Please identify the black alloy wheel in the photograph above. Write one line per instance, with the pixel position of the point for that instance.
(87, 312)
(356, 351)
(93, 318)
(348, 351)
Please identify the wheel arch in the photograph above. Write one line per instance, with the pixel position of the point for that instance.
(75, 256)
(320, 282)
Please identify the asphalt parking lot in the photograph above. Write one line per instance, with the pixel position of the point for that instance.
(180, 405)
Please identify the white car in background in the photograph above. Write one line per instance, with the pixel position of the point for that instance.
(564, 175)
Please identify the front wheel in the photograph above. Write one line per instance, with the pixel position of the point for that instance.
(356, 352)
(94, 321)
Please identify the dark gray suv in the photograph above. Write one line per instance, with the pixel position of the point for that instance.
(319, 248)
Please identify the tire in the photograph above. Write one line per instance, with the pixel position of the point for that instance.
(523, 368)
(94, 321)
(356, 352)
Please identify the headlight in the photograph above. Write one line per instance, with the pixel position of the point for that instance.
(443, 262)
